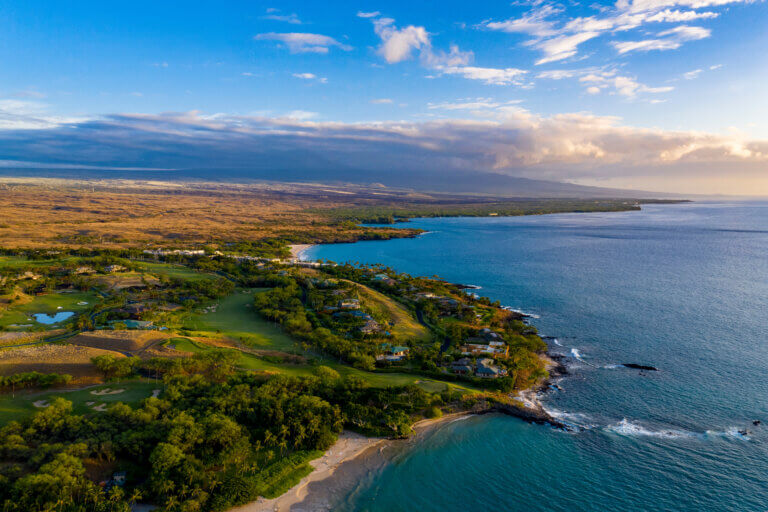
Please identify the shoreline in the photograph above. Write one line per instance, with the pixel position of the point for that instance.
(325, 492)
(348, 447)
(298, 250)
(335, 477)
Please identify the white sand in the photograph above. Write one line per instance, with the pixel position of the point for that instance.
(41, 404)
(348, 446)
(155, 393)
(298, 249)
(108, 391)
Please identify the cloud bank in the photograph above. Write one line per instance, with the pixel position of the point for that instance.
(503, 139)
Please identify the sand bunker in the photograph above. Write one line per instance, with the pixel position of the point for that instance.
(100, 408)
(107, 391)
(155, 393)
(41, 404)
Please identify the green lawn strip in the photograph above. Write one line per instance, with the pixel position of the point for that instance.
(21, 261)
(175, 271)
(22, 405)
(235, 317)
(48, 304)
(277, 478)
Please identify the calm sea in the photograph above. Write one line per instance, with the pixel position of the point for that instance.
(680, 287)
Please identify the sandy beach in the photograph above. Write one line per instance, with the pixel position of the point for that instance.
(350, 459)
(348, 446)
(298, 249)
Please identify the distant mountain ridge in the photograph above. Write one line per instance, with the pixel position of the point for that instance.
(449, 182)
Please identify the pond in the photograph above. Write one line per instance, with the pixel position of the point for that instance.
(46, 319)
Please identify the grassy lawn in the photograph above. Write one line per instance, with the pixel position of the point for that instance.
(175, 271)
(375, 379)
(22, 405)
(406, 326)
(235, 317)
(20, 261)
(49, 304)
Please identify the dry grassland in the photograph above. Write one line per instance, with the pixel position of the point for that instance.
(120, 213)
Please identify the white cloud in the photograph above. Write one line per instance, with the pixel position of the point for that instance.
(690, 75)
(597, 80)
(299, 42)
(29, 115)
(301, 115)
(473, 104)
(617, 84)
(559, 36)
(310, 76)
(381, 101)
(398, 44)
(532, 23)
(667, 40)
(361, 14)
(274, 14)
(491, 76)
(558, 74)
(562, 47)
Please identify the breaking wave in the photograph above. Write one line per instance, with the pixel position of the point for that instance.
(628, 428)
(521, 312)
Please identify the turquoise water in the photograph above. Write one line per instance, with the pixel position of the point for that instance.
(680, 287)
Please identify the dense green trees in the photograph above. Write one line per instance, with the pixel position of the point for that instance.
(29, 380)
(216, 438)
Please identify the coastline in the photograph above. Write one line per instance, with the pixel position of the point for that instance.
(353, 458)
(298, 250)
(348, 447)
(324, 492)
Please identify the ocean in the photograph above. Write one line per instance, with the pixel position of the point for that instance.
(682, 287)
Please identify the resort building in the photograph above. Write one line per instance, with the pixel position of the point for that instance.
(487, 370)
(462, 366)
(371, 327)
(392, 352)
(349, 304)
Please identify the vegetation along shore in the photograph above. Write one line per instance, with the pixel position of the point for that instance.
(211, 375)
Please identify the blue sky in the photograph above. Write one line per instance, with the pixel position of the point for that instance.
(554, 84)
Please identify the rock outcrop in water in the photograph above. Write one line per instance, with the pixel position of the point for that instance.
(635, 366)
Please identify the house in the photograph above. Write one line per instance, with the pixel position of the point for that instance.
(475, 347)
(385, 279)
(392, 352)
(83, 271)
(489, 335)
(371, 327)
(487, 370)
(114, 268)
(462, 366)
(349, 304)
